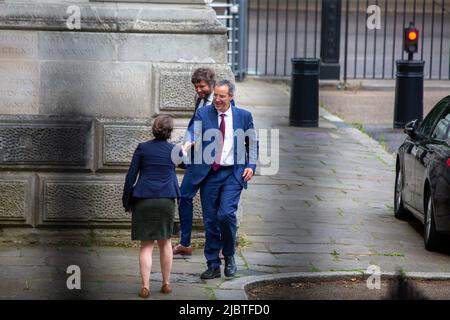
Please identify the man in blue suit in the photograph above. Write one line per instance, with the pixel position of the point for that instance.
(222, 167)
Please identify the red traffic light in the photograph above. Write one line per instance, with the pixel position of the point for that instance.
(412, 35)
(411, 39)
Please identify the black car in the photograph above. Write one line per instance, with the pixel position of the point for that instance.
(422, 180)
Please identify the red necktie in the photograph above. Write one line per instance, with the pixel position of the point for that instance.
(216, 164)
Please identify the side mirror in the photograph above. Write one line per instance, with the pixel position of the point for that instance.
(411, 128)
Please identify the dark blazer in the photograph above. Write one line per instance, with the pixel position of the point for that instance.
(157, 179)
(188, 137)
(246, 158)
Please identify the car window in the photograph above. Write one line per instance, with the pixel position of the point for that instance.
(442, 129)
(428, 124)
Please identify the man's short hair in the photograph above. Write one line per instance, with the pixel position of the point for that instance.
(162, 127)
(229, 84)
(206, 74)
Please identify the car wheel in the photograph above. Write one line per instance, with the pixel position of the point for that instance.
(399, 210)
(431, 237)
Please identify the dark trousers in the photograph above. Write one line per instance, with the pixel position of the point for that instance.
(220, 193)
(188, 191)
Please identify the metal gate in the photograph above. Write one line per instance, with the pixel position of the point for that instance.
(371, 54)
(266, 34)
(280, 30)
(233, 15)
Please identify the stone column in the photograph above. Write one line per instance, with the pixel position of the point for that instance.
(75, 102)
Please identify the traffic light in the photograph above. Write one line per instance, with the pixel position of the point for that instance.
(411, 40)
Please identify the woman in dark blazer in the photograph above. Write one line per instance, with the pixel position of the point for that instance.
(152, 200)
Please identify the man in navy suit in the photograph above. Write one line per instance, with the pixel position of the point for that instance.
(222, 167)
(203, 80)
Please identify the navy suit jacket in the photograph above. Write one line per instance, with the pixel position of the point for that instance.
(243, 157)
(191, 122)
(157, 178)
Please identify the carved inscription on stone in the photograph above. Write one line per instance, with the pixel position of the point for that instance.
(95, 89)
(77, 46)
(18, 44)
(174, 48)
(19, 87)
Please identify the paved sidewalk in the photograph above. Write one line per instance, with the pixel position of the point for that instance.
(329, 208)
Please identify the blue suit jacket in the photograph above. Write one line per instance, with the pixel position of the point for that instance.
(157, 178)
(243, 157)
(190, 133)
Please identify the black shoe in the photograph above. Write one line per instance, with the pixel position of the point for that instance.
(211, 273)
(230, 267)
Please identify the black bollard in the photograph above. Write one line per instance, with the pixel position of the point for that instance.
(304, 107)
(408, 92)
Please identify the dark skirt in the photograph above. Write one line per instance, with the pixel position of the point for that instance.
(152, 219)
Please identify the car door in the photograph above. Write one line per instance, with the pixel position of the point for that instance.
(408, 165)
(440, 152)
(423, 149)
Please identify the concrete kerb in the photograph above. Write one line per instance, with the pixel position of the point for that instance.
(248, 283)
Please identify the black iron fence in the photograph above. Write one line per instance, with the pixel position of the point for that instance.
(278, 30)
(232, 14)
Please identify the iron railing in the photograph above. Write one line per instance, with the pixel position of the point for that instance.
(372, 53)
(233, 15)
(278, 30)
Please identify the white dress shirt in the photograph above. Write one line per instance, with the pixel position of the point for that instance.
(227, 158)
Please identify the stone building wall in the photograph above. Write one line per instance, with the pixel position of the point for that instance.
(74, 104)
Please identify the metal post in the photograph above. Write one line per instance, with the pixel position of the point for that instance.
(304, 104)
(346, 40)
(408, 92)
(243, 41)
(330, 39)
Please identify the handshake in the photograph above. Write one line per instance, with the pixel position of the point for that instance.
(186, 146)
